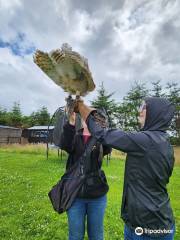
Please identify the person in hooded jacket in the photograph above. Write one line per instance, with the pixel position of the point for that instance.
(91, 199)
(145, 209)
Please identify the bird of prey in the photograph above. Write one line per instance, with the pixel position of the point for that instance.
(66, 68)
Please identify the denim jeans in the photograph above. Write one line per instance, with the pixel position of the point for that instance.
(131, 235)
(93, 210)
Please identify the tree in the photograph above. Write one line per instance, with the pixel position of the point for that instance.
(122, 116)
(127, 112)
(44, 116)
(174, 96)
(4, 116)
(104, 100)
(16, 115)
(157, 89)
(26, 121)
(40, 117)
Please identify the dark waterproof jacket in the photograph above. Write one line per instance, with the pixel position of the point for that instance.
(148, 167)
(74, 145)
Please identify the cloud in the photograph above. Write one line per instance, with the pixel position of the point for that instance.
(20, 46)
(123, 41)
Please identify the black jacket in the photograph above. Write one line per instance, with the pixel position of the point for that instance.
(149, 164)
(73, 144)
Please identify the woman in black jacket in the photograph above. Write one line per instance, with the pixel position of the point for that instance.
(91, 199)
(146, 209)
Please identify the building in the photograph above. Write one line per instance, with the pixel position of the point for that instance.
(38, 134)
(10, 134)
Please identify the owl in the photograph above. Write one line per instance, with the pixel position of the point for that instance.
(67, 68)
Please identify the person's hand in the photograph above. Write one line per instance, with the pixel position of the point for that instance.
(72, 118)
(77, 102)
(71, 115)
(83, 109)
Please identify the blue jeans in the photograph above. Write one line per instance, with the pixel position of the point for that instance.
(94, 210)
(131, 235)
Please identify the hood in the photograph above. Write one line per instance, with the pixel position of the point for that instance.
(159, 113)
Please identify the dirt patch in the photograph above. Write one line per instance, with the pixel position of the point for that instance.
(177, 154)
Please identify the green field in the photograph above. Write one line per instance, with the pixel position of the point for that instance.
(26, 212)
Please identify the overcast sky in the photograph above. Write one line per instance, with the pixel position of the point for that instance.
(123, 41)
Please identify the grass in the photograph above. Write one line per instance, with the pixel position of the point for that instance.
(26, 178)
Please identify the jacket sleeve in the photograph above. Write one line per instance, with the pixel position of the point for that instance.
(68, 137)
(118, 139)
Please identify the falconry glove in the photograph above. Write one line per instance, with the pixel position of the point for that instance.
(85, 110)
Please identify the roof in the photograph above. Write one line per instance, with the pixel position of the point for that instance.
(2, 126)
(40, 128)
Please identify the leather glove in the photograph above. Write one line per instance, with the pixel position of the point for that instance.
(77, 102)
(84, 110)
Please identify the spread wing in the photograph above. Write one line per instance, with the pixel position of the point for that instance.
(67, 69)
(45, 63)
